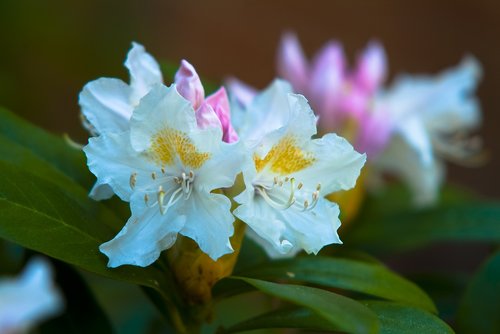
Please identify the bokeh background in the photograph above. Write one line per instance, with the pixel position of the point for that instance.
(50, 49)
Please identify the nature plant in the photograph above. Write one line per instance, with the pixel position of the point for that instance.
(226, 216)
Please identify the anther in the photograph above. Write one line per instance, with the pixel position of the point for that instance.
(153, 175)
(146, 198)
(306, 204)
(280, 183)
(300, 185)
(318, 187)
(275, 181)
(132, 180)
(286, 179)
(191, 174)
(163, 170)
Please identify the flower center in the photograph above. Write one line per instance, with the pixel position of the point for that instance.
(176, 188)
(169, 144)
(281, 195)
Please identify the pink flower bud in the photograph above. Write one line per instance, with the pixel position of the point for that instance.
(220, 104)
(189, 84)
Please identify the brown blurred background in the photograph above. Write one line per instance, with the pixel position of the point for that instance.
(50, 49)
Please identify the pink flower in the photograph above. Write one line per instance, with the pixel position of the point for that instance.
(211, 111)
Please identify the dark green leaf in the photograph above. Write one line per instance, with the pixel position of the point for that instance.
(302, 318)
(46, 146)
(368, 278)
(346, 314)
(479, 310)
(401, 319)
(469, 221)
(39, 215)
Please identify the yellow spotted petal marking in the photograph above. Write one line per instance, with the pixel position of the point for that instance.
(285, 158)
(170, 143)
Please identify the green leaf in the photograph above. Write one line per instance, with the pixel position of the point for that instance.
(394, 319)
(401, 319)
(404, 231)
(48, 147)
(345, 314)
(39, 215)
(479, 310)
(368, 278)
(302, 318)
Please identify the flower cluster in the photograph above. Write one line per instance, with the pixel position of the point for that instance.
(405, 130)
(175, 156)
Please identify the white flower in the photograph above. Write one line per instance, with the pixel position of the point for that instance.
(167, 167)
(28, 299)
(107, 103)
(290, 173)
(430, 117)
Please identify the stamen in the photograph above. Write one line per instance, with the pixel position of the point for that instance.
(275, 181)
(161, 197)
(153, 175)
(146, 199)
(133, 178)
(306, 204)
(163, 170)
(300, 185)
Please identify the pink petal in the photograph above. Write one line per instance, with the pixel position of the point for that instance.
(371, 67)
(220, 104)
(327, 81)
(206, 117)
(291, 62)
(375, 130)
(189, 84)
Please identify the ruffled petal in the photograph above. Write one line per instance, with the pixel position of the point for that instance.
(146, 234)
(264, 221)
(209, 222)
(112, 160)
(336, 165)
(105, 104)
(189, 85)
(314, 229)
(240, 92)
(163, 107)
(292, 64)
(28, 299)
(144, 72)
(269, 111)
(101, 191)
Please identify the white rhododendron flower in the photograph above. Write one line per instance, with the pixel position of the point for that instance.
(431, 117)
(167, 167)
(29, 298)
(289, 174)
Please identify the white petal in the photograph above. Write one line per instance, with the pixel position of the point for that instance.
(144, 72)
(163, 107)
(227, 161)
(423, 179)
(146, 234)
(268, 112)
(264, 221)
(28, 299)
(413, 131)
(209, 222)
(443, 103)
(336, 165)
(111, 158)
(105, 104)
(101, 191)
(314, 229)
